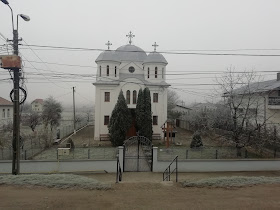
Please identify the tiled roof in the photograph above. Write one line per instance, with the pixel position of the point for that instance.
(5, 102)
(38, 100)
(258, 87)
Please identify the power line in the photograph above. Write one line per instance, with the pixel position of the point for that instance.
(63, 64)
(163, 52)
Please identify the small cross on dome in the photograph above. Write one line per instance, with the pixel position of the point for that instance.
(130, 36)
(108, 44)
(155, 46)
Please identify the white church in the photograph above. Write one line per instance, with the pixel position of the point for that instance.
(129, 68)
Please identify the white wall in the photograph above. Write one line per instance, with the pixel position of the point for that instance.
(7, 118)
(217, 165)
(32, 166)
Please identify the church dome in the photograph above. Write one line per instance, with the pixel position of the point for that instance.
(155, 57)
(108, 55)
(131, 53)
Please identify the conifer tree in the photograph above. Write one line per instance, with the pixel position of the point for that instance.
(148, 122)
(144, 114)
(139, 111)
(120, 121)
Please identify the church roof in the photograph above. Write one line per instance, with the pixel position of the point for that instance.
(108, 55)
(127, 52)
(155, 57)
(131, 53)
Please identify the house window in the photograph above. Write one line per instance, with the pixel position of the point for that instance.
(8, 113)
(155, 120)
(100, 71)
(162, 72)
(148, 72)
(156, 72)
(108, 70)
(128, 97)
(155, 97)
(115, 71)
(106, 120)
(107, 97)
(3, 113)
(134, 97)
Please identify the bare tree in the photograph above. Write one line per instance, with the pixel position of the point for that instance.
(6, 133)
(88, 115)
(33, 120)
(172, 100)
(26, 107)
(51, 116)
(246, 106)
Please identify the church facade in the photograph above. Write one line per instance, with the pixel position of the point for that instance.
(129, 68)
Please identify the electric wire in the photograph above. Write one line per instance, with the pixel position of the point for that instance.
(162, 52)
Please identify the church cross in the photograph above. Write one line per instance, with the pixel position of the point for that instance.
(108, 44)
(155, 46)
(130, 36)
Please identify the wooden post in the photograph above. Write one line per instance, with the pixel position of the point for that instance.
(164, 132)
(167, 134)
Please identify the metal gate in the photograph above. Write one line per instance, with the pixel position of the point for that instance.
(138, 154)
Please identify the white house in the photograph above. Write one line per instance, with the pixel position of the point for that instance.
(129, 68)
(6, 111)
(262, 100)
(37, 105)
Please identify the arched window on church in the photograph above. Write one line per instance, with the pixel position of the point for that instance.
(156, 72)
(134, 97)
(128, 97)
(100, 71)
(108, 70)
(148, 72)
(115, 71)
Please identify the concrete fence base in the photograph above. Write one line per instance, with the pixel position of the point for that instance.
(39, 166)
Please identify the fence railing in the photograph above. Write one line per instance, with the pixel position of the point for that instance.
(93, 153)
(185, 153)
(167, 173)
(119, 171)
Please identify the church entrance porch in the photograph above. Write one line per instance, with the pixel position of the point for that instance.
(132, 130)
(138, 154)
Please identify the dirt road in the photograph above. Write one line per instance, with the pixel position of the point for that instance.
(145, 191)
(141, 196)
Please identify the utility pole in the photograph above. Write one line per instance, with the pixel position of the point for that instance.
(16, 120)
(15, 91)
(74, 111)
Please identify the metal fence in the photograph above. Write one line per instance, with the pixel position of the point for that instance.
(93, 153)
(212, 153)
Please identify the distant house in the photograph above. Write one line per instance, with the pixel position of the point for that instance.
(6, 111)
(184, 112)
(37, 105)
(263, 99)
(205, 107)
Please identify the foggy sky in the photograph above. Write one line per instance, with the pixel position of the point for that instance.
(174, 25)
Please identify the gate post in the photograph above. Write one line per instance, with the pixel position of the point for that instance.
(154, 158)
(121, 157)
